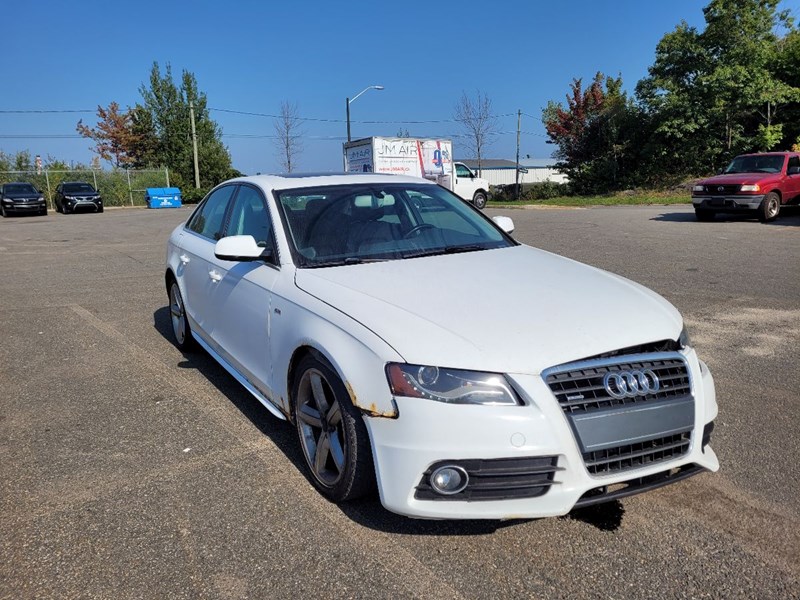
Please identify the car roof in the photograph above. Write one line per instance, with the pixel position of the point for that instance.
(303, 180)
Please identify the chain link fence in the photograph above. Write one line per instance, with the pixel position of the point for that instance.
(120, 187)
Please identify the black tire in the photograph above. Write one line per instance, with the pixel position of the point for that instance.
(770, 207)
(100, 209)
(43, 212)
(181, 330)
(65, 209)
(479, 200)
(3, 211)
(328, 425)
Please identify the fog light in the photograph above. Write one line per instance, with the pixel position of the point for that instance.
(449, 480)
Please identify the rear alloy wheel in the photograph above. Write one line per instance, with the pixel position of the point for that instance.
(180, 324)
(332, 433)
(479, 200)
(704, 215)
(770, 207)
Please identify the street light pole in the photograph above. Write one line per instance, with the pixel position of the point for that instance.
(348, 119)
(348, 101)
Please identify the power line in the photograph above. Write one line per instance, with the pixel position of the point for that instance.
(41, 112)
(40, 136)
(271, 116)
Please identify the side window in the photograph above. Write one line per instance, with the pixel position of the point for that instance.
(794, 161)
(250, 217)
(462, 171)
(209, 219)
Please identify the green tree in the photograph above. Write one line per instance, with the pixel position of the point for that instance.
(169, 122)
(714, 94)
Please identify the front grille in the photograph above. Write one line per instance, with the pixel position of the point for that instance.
(722, 190)
(634, 456)
(582, 390)
(604, 425)
(496, 479)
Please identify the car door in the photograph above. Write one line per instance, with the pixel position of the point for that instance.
(197, 274)
(793, 180)
(243, 297)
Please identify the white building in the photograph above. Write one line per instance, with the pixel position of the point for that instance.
(501, 172)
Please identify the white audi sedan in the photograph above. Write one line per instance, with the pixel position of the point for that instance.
(420, 351)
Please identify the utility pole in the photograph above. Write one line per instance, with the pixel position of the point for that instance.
(194, 147)
(519, 119)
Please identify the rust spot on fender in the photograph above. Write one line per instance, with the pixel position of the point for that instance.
(372, 409)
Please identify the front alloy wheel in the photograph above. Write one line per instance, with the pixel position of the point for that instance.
(332, 433)
(479, 200)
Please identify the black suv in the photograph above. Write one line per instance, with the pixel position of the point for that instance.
(77, 195)
(21, 197)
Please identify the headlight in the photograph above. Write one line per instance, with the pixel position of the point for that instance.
(750, 188)
(452, 386)
(698, 188)
(683, 339)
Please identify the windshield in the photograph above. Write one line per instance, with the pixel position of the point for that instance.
(78, 188)
(19, 188)
(350, 224)
(765, 163)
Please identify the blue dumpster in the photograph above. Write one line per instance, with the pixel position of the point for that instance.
(169, 197)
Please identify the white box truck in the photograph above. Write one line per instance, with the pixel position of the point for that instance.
(428, 158)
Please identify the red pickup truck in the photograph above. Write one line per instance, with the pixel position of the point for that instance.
(752, 182)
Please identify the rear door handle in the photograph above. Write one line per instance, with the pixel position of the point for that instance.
(184, 259)
(215, 275)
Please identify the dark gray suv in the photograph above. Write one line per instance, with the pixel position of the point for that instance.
(72, 196)
(21, 197)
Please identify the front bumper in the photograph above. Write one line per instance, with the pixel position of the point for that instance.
(24, 207)
(427, 433)
(83, 204)
(727, 203)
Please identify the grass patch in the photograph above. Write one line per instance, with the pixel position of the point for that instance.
(635, 198)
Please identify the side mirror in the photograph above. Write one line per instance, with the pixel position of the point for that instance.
(504, 223)
(240, 248)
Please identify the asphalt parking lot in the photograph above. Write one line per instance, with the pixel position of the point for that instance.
(128, 470)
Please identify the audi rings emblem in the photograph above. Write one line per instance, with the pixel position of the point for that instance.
(629, 384)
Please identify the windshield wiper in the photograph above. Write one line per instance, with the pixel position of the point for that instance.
(445, 250)
(350, 260)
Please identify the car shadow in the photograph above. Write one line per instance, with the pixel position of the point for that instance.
(789, 217)
(367, 512)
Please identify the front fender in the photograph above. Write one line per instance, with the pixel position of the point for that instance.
(358, 355)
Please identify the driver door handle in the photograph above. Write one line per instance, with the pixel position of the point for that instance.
(184, 259)
(215, 275)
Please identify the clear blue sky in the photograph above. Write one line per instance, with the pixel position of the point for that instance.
(251, 56)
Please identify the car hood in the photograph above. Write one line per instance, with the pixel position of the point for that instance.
(19, 195)
(741, 179)
(513, 310)
(81, 194)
